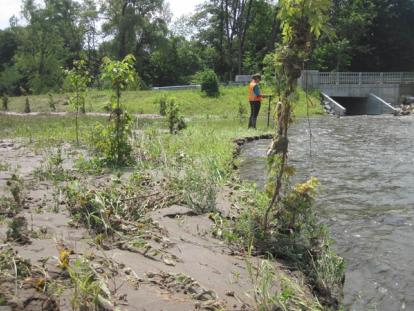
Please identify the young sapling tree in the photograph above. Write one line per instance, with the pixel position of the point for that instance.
(116, 146)
(175, 120)
(78, 78)
(52, 105)
(27, 105)
(5, 102)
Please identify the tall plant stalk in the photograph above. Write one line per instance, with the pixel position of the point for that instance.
(79, 79)
(301, 21)
(118, 122)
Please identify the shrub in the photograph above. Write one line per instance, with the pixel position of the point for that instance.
(5, 102)
(52, 167)
(10, 206)
(112, 141)
(209, 83)
(52, 103)
(27, 106)
(15, 186)
(18, 230)
(176, 121)
(294, 234)
(242, 112)
(162, 104)
(200, 194)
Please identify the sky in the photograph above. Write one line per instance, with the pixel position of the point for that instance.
(12, 7)
(180, 7)
(8, 9)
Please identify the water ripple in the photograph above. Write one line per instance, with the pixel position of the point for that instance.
(365, 165)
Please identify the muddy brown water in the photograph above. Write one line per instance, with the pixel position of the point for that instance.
(366, 168)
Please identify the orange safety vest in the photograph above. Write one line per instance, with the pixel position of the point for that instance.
(252, 95)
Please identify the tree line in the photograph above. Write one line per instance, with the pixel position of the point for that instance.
(228, 36)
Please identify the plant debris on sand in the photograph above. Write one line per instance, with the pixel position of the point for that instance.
(168, 226)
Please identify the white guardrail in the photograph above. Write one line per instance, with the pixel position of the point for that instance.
(332, 78)
(177, 87)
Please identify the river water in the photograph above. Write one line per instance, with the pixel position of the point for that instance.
(366, 168)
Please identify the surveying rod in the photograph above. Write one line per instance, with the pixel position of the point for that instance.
(268, 110)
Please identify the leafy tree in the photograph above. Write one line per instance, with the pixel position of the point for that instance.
(390, 37)
(137, 27)
(174, 63)
(232, 28)
(371, 35)
(10, 80)
(229, 37)
(351, 21)
(89, 25)
(261, 36)
(9, 76)
(65, 14)
(8, 47)
(50, 41)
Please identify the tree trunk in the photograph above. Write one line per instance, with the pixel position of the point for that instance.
(243, 36)
(122, 32)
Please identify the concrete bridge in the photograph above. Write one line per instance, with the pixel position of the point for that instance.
(355, 93)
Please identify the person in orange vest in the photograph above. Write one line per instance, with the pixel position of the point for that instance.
(255, 99)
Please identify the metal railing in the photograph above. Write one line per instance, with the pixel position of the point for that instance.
(360, 78)
(243, 78)
(177, 87)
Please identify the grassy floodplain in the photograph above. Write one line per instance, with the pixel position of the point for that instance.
(192, 102)
(218, 115)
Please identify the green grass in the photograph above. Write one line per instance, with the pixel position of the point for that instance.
(213, 115)
(46, 129)
(192, 102)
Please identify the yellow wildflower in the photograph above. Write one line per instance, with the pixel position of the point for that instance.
(64, 258)
(309, 186)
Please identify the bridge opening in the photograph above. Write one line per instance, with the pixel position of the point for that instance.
(354, 105)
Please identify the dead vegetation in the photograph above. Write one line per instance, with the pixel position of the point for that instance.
(22, 286)
(181, 283)
(167, 215)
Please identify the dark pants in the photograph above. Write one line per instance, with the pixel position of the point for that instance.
(254, 112)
